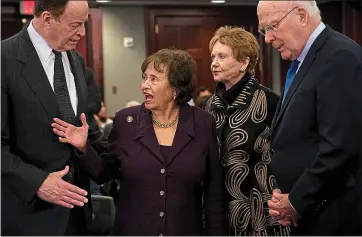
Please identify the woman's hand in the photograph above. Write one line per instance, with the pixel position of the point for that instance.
(68, 133)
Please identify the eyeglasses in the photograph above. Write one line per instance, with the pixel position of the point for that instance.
(273, 28)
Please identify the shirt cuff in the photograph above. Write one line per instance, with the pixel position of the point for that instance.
(79, 153)
(291, 204)
(275, 185)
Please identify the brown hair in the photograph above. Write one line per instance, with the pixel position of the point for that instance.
(55, 7)
(181, 70)
(242, 42)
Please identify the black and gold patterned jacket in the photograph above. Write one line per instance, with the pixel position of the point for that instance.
(243, 131)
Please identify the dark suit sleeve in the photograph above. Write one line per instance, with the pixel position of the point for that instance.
(101, 166)
(94, 94)
(214, 211)
(338, 108)
(19, 177)
(273, 100)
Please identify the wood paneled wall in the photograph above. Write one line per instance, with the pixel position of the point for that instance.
(95, 45)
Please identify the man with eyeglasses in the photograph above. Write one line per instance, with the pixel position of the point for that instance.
(317, 130)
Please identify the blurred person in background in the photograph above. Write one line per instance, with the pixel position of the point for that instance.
(203, 91)
(243, 110)
(201, 101)
(102, 118)
(166, 151)
(203, 95)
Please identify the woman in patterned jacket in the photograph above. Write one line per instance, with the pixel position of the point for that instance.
(243, 110)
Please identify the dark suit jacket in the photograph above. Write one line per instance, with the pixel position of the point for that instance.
(94, 98)
(94, 94)
(30, 150)
(193, 159)
(316, 137)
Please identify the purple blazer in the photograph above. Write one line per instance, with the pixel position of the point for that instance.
(158, 197)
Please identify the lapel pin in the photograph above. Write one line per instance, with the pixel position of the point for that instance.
(129, 119)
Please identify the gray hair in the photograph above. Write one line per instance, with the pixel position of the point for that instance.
(311, 7)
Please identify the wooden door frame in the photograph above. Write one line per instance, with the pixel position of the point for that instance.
(150, 21)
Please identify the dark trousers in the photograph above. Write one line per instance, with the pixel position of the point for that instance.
(77, 224)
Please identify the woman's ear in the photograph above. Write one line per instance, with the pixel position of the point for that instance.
(245, 64)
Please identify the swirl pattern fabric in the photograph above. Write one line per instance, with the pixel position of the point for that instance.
(245, 157)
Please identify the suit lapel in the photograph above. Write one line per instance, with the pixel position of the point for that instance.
(301, 73)
(184, 133)
(34, 74)
(146, 134)
(296, 82)
(79, 80)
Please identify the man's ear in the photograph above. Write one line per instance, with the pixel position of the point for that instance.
(303, 16)
(45, 18)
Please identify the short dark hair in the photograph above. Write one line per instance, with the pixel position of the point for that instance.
(55, 7)
(181, 70)
(201, 101)
(202, 88)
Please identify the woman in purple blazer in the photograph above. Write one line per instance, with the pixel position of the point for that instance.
(164, 152)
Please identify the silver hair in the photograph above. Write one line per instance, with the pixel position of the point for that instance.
(311, 7)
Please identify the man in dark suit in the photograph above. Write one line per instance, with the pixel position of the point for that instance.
(43, 191)
(316, 133)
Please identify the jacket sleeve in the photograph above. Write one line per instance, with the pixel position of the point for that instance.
(94, 94)
(272, 102)
(100, 159)
(213, 188)
(339, 116)
(20, 178)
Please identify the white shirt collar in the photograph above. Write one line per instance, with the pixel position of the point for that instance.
(39, 42)
(310, 41)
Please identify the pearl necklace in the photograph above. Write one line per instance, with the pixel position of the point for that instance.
(164, 125)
